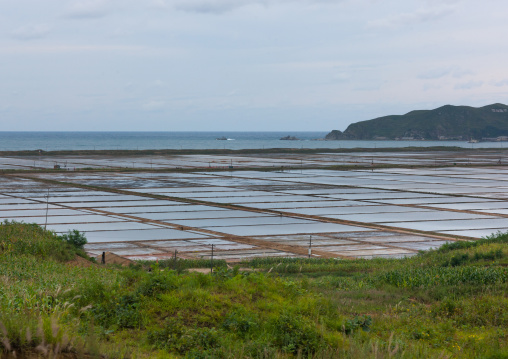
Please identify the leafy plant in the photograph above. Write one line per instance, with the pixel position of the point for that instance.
(358, 323)
(75, 238)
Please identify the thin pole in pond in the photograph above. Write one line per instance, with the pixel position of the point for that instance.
(310, 246)
(47, 208)
(211, 261)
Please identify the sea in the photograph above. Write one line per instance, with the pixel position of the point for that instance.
(54, 141)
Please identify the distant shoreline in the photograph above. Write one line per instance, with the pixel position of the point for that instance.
(11, 143)
(161, 152)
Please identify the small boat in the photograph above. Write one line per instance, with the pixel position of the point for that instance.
(223, 138)
(473, 141)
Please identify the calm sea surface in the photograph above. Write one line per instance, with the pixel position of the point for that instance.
(50, 141)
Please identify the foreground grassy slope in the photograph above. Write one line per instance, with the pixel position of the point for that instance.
(449, 303)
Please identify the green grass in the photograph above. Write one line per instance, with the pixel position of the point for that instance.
(447, 303)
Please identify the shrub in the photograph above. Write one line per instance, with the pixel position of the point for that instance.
(358, 323)
(32, 239)
(176, 337)
(156, 283)
(75, 238)
(293, 334)
(121, 313)
(239, 322)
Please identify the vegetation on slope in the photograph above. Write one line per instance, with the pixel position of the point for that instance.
(446, 122)
(445, 303)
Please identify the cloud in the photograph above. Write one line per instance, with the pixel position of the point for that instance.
(153, 105)
(419, 16)
(435, 73)
(159, 4)
(214, 6)
(31, 32)
(439, 72)
(370, 87)
(431, 87)
(341, 77)
(157, 84)
(223, 6)
(459, 73)
(468, 85)
(500, 83)
(47, 49)
(88, 9)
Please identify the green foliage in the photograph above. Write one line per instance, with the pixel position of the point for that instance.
(156, 283)
(463, 258)
(439, 276)
(74, 238)
(363, 322)
(181, 264)
(293, 333)
(495, 238)
(31, 239)
(120, 313)
(174, 336)
(240, 322)
(449, 121)
(442, 303)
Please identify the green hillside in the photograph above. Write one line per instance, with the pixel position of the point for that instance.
(447, 303)
(445, 123)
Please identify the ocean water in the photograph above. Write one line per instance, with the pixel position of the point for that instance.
(52, 141)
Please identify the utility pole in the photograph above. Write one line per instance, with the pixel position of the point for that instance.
(211, 262)
(310, 246)
(47, 208)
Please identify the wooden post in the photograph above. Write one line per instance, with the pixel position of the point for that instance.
(211, 261)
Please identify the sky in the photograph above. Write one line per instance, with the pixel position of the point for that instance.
(244, 65)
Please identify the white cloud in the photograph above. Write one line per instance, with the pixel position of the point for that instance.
(435, 73)
(159, 4)
(459, 73)
(500, 83)
(419, 16)
(88, 9)
(31, 32)
(431, 87)
(341, 77)
(153, 105)
(222, 6)
(47, 49)
(215, 6)
(439, 72)
(468, 85)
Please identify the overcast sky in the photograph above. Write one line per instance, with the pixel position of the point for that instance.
(244, 65)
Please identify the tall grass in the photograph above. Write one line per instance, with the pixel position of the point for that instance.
(427, 306)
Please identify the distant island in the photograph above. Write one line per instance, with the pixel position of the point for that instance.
(488, 123)
(289, 138)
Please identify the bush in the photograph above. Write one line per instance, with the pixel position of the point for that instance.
(358, 323)
(239, 322)
(294, 334)
(156, 283)
(177, 337)
(32, 239)
(75, 238)
(120, 313)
